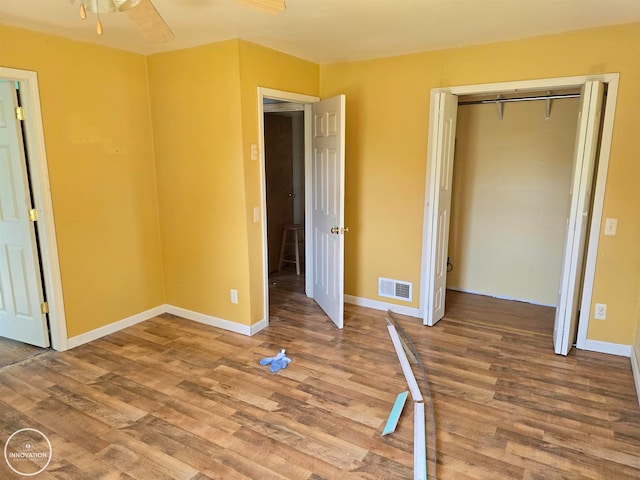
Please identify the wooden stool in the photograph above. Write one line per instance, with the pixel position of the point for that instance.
(292, 236)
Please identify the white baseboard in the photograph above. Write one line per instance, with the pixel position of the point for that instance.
(608, 347)
(378, 305)
(114, 327)
(213, 321)
(154, 312)
(256, 327)
(635, 367)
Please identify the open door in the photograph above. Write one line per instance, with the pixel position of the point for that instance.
(442, 138)
(21, 292)
(327, 227)
(586, 148)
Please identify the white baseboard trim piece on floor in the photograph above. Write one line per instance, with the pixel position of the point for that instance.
(608, 347)
(115, 326)
(212, 321)
(378, 305)
(635, 367)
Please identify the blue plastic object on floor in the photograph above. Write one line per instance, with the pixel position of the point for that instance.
(277, 363)
(394, 416)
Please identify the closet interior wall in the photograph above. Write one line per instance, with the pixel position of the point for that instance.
(510, 199)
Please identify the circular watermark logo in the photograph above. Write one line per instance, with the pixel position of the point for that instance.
(28, 452)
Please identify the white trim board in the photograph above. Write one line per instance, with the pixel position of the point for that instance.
(216, 322)
(378, 305)
(635, 368)
(159, 310)
(115, 327)
(607, 347)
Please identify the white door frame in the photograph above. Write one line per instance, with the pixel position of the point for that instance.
(30, 100)
(612, 79)
(305, 100)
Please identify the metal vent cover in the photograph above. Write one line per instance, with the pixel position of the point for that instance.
(397, 289)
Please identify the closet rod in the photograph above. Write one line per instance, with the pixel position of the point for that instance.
(521, 99)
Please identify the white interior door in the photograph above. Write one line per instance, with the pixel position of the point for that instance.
(442, 138)
(328, 206)
(21, 291)
(585, 151)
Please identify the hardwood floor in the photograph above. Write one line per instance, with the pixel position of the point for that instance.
(14, 352)
(505, 314)
(173, 399)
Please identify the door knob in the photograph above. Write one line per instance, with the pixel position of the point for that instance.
(338, 230)
(292, 195)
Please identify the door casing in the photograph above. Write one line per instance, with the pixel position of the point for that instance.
(306, 101)
(30, 99)
(612, 80)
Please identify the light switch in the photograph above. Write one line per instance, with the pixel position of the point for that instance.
(256, 214)
(610, 226)
(254, 151)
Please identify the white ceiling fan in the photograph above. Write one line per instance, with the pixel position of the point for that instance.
(149, 21)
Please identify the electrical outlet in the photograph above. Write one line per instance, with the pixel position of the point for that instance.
(234, 296)
(600, 311)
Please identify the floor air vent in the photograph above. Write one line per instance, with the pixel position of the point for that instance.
(395, 289)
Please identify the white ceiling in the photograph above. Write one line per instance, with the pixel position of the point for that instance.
(327, 31)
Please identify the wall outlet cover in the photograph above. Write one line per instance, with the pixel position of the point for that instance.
(610, 226)
(600, 311)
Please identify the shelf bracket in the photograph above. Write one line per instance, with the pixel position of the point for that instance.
(500, 107)
(548, 100)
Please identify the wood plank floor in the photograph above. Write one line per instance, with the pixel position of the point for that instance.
(173, 399)
(14, 352)
(506, 314)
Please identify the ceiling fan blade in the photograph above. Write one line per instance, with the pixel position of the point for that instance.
(151, 24)
(100, 6)
(272, 7)
(128, 5)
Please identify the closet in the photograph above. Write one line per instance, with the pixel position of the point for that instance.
(510, 198)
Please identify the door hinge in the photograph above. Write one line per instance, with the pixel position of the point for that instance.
(44, 308)
(33, 215)
(19, 113)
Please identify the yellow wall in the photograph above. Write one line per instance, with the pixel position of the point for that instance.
(263, 67)
(205, 117)
(387, 122)
(195, 98)
(511, 183)
(636, 344)
(95, 110)
(111, 222)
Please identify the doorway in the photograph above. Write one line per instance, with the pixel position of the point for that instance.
(581, 243)
(44, 266)
(510, 194)
(285, 209)
(324, 174)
